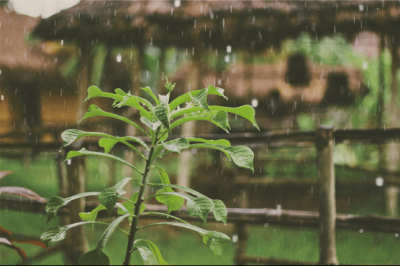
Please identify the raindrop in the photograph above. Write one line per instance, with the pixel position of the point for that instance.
(177, 3)
(62, 42)
(365, 65)
(266, 225)
(228, 49)
(194, 151)
(361, 231)
(227, 59)
(69, 162)
(219, 82)
(379, 181)
(2, 97)
(235, 238)
(396, 235)
(119, 58)
(254, 103)
(55, 154)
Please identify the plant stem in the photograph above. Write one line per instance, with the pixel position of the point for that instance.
(135, 219)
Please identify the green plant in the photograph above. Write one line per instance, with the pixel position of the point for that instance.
(6, 237)
(160, 119)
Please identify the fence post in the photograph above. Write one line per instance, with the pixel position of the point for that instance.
(326, 192)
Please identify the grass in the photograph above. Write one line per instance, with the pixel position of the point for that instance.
(183, 247)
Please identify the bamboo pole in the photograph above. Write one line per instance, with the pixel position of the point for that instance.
(136, 82)
(287, 218)
(381, 103)
(76, 242)
(188, 129)
(326, 191)
(392, 159)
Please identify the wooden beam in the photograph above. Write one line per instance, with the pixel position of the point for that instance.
(303, 219)
(262, 140)
(326, 196)
(243, 259)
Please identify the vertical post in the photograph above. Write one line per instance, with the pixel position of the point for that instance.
(107, 86)
(161, 71)
(381, 105)
(392, 159)
(241, 230)
(76, 241)
(137, 68)
(188, 128)
(248, 75)
(326, 190)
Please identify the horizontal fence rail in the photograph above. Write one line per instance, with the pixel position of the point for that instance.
(268, 140)
(305, 219)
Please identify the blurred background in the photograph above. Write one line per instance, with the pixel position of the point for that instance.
(300, 64)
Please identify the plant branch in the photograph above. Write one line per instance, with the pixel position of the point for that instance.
(135, 219)
(165, 215)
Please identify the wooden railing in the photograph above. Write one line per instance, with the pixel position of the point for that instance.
(326, 220)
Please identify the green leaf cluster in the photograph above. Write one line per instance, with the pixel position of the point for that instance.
(158, 118)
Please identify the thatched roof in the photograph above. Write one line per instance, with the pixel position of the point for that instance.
(17, 58)
(253, 25)
(266, 81)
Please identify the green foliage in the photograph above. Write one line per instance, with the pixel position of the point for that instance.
(160, 118)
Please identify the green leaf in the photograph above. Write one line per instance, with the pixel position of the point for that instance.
(162, 111)
(147, 256)
(94, 91)
(57, 233)
(197, 207)
(214, 240)
(107, 144)
(150, 92)
(154, 249)
(109, 231)
(200, 98)
(91, 216)
(54, 234)
(173, 202)
(72, 135)
(151, 125)
(109, 196)
(84, 151)
(218, 118)
(130, 206)
(120, 98)
(223, 142)
(245, 111)
(94, 257)
(168, 85)
(135, 101)
(242, 156)
(219, 211)
(194, 192)
(94, 111)
(186, 97)
(176, 145)
(55, 203)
